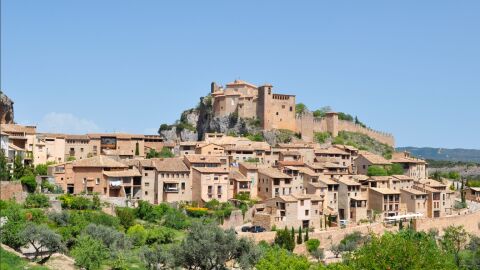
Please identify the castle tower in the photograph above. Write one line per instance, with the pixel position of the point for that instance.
(213, 87)
(332, 123)
(263, 106)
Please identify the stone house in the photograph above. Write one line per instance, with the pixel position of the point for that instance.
(273, 183)
(210, 183)
(384, 200)
(366, 159)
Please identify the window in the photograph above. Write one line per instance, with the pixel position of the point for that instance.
(98, 181)
(183, 185)
(306, 213)
(147, 184)
(146, 192)
(302, 202)
(291, 108)
(146, 174)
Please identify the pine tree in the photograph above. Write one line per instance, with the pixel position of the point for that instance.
(18, 168)
(299, 237)
(4, 170)
(305, 239)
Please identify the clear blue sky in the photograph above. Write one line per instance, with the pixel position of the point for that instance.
(407, 67)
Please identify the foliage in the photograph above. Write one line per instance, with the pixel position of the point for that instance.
(319, 113)
(42, 238)
(209, 247)
(71, 158)
(284, 239)
(197, 211)
(110, 237)
(454, 240)
(4, 170)
(299, 236)
(78, 202)
(155, 257)
(89, 253)
(252, 160)
(281, 259)
(37, 201)
(164, 127)
(404, 250)
(160, 235)
(395, 169)
(126, 216)
(363, 142)
(41, 169)
(18, 168)
(30, 182)
(322, 137)
(300, 108)
(375, 170)
(312, 245)
(345, 117)
(12, 262)
(257, 137)
(138, 234)
(164, 153)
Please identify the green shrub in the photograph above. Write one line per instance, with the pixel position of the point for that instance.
(37, 201)
(89, 253)
(30, 182)
(138, 234)
(312, 245)
(126, 216)
(376, 171)
(321, 137)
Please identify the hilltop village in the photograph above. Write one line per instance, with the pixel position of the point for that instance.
(299, 183)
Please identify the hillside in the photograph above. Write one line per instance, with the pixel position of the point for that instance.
(6, 109)
(464, 155)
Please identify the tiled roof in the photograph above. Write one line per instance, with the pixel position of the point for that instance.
(99, 162)
(413, 191)
(212, 169)
(14, 128)
(330, 151)
(385, 190)
(235, 174)
(273, 173)
(347, 181)
(402, 177)
(203, 159)
(374, 159)
(125, 173)
(170, 165)
(120, 136)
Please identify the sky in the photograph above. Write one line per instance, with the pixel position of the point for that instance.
(410, 68)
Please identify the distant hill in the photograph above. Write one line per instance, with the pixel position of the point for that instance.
(458, 154)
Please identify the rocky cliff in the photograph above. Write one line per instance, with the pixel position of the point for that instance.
(194, 123)
(6, 109)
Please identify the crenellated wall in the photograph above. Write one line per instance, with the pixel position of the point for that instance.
(307, 125)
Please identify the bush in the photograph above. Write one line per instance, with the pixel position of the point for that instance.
(321, 137)
(312, 245)
(138, 234)
(160, 235)
(284, 239)
(30, 182)
(395, 169)
(77, 202)
(376, 171)
(196, 211)
(257, 137)
(89, 253)
(37, 201)
(126, 216)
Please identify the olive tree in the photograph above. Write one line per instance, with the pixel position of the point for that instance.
(42, 238)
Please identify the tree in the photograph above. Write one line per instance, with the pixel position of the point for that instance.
(300, 108)
(209, 247)
(375, 170)
(284, 239)
(395, 169)
(4, 170)
(18, 168)
(41, 169)
(126, 216)
(89, 253)
(156, 258)
(111, 238)
(305, 239)
(403, 250)
(37, 201)
(138, 234)
(299, 236)
(336, 249)
(42, 238)
(454, 240)
(164, 153)
(312, 244)
(279, 259)
(30, 182)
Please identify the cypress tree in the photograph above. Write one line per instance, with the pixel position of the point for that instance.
(299, 237)
(305, 239)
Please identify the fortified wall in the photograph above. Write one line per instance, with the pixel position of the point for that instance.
(307, 125)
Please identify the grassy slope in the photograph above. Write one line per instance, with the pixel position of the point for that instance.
(363, 142)
(11, 261)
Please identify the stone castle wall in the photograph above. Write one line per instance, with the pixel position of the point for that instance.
(307, 125)
(471, 223)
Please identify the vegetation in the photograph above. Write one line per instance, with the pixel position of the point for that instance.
(4, 170)
(285, 239)
(322, 137)
(37, 201)
(364, 142)
(257, 137)
(30, 182)
(300, 108)
(164, 153)
(12, 262)
(375, 170)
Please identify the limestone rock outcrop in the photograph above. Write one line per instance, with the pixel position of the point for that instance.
(6, 109)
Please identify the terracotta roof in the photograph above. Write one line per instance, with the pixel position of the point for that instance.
(379, 178)
(327, 181)
(99, 162)
(170, 165)
(252, 165)
(374, 159)
(347, 181)
(385, 190)
(212, 170)
(346, 147)
(316, 166)
(125, 173)
(290, 163)
(273, 173)
(204, 159)
(76, 137)
(307, 171)
(240, 82)
(331, 151)
(287, 198)
(120, 136)
(14, 128)
(407, 160)
(235, 174)
(413, 191)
